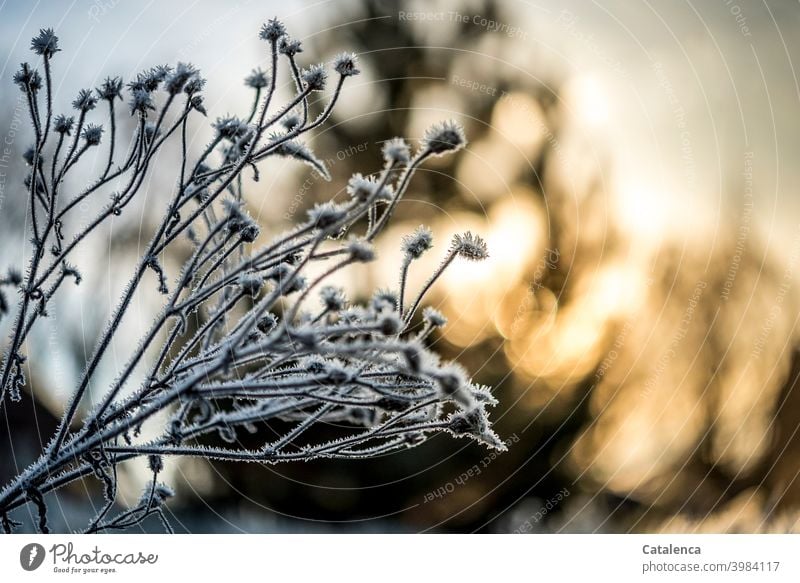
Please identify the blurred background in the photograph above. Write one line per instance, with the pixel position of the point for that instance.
(633, 167)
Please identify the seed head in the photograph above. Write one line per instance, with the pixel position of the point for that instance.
(474, 423)
(272, 31)
(92, 134)
(176, 80)
(110, 89)
(257, 79)
(230, 127)
(141, 101)
(470, 246)
(28, 78)
(385, 299)
(314, 77)
(326, 216)
(396, 151)
(443, 137)
(360, 250)
(434, 317)
(194, 85)
(333, 298)
(290, 47)
(291, 121)
(417, 243)
(85, 101)
(14, 276)
(389, 323)
(251, 284)
(155, 463)
(45, 43)
(360, 188)
(345, 64)
(63, 124)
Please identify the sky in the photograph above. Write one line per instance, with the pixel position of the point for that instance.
(687, 96)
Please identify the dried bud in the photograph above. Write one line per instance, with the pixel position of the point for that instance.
(155, 463)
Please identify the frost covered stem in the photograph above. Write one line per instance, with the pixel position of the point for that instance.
(451, 255)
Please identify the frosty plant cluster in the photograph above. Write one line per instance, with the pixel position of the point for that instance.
(246, 336)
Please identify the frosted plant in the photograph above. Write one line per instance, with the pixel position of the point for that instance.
(272, 342)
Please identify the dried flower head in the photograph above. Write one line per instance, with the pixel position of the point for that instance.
(45, 43)
(27, 78)
(290, 47)
(418, 242)
(396, 151)
(272, 31)
(231, 127)
(85, 101)
(63, 124)
(291, 121)
(385, 299)
(443, 137)
(251, 284)
(345, 64)
(389, 323)
(470, 246)
(257, 79)
(314, 77)
(474, 423)
(434, 317)
(149, 80)
(360, 188)
(327, 216)
(453, 383)
(155, 463)
(194, 85)
(161, 493)
(28, 155)
(141, 101)
(92, 134)
(14, 276)
(332, 298)
(110, 89)
(360, 250)
(176, 80)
